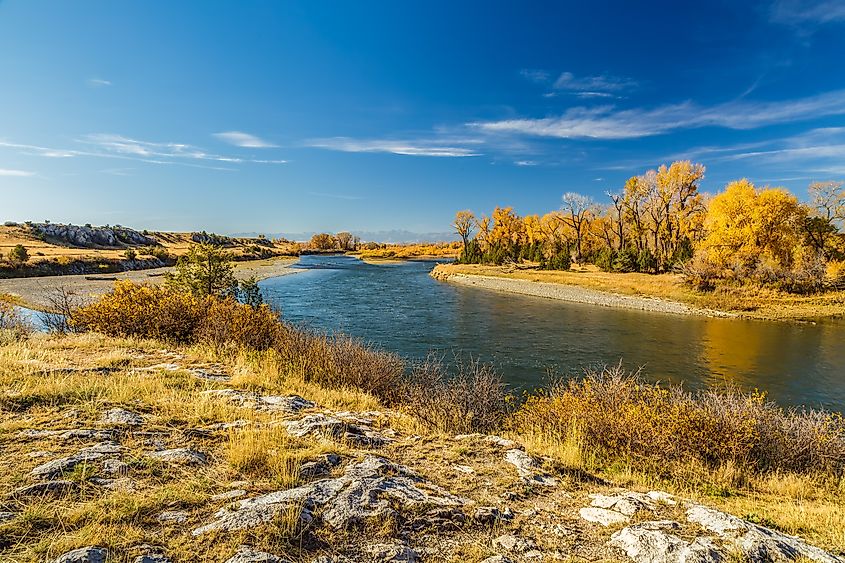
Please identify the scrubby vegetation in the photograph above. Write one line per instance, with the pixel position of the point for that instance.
(661, 222)
(615, 417)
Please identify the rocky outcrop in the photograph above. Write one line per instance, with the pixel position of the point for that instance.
(290, 404)
(725, 536)
(371, 488)
(358, 433)
(92, 237)
(122, 417)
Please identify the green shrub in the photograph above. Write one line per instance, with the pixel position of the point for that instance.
(19, 255)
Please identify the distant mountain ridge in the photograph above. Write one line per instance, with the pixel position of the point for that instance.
(395, 236)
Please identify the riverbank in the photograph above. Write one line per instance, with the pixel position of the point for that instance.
(135, 448)
(33, 292)
(663, 293)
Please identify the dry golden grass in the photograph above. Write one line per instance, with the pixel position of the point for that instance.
(746, 301)
(58, 383)
(397, 252)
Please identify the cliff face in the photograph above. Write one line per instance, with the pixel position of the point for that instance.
(93, 237)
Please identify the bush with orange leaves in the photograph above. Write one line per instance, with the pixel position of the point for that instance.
(169, 315)
(619, 417)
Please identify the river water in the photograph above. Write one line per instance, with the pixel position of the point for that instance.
(400, 308)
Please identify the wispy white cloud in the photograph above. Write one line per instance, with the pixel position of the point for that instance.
(799, 12)
(420, 147)
(535, 74)
(608, 122)
(596, 84)
(98, 82)
(15, 173)
(241, 139)
(526, 163)
(105, 145)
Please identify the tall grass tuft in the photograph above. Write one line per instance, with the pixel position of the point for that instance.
(659, 428)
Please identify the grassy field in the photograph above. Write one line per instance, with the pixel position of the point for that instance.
(746, 301)
(397, 252)
(60, 383)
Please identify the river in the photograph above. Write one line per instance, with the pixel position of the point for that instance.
(400, 308)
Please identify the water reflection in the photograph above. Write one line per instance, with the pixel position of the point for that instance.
(400, 308)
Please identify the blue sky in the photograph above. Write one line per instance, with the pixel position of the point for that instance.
(305, 116)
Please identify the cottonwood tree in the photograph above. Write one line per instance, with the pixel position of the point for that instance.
(343, 240)
(578, 212)
(464, 224)
(322, 241)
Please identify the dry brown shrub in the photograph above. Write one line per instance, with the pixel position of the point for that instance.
(472, 399)
(659, 428)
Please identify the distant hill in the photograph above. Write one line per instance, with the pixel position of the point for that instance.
(395, 236)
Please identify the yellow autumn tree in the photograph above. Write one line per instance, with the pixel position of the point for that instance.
(747, 226)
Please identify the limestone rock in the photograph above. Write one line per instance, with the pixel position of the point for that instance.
(229, 495)
(509, 542)
(370, 488)
(120, 484)
(322, 466)
(602, 516)
(392, 553)
(528, 469)
(248, 555)
(115, 467)
(628, 503)
(498, 559)
(158, 558)
(290, 404)
(121, 417)
(83, 555)
(183, 456)
(322, 425)
(489, 515)
(173, 517)
(650, 542)
(53, 488)
(757, 543)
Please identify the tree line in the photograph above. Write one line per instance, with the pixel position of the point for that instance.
(661, 221)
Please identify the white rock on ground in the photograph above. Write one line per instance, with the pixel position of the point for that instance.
(370, 488)
(173, 517)
(246, 554)
(627, 503)
(756, 542)
(322, 425)
(290, 404)
(509, 542)
(602, 516)
(184, 456)
(122, 417)
(83, 555)
(528, 469)
(650, 542)
(152, 559)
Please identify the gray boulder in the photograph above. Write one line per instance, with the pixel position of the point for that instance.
(374, 487)
(122, 417)
(182, 456)
(528, 469)
(83, 555)
(335, 427)
(248, 555)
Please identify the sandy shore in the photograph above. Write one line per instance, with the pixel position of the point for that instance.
(576, 294)
(33, 292)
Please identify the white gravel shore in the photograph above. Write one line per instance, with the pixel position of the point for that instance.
(577, 294)
(35, 291)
